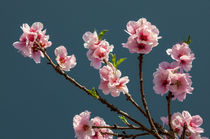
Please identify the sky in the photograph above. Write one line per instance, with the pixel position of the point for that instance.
(37, 103)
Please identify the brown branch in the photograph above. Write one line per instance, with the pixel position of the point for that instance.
(115, 127)
(129, 97)
(143, 97)
(183, 132)
(169, 97)
(124, 135)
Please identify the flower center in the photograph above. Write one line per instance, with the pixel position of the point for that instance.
(86, 127)
(62, 60)
(178, 84)
(143, 37)
(141, 46)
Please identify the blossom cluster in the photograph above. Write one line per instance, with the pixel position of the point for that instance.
(98, 53)
(111, 81)
(30, 39)
(98, 50)
(143, 36)
(191, 123)
(83, 127)
(33, 37)
(171, 76)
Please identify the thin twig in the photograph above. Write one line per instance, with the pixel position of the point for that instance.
(143, 97)
(129, 97)
(115, 127)
(169, 97)
(183, 132)
(123, 135)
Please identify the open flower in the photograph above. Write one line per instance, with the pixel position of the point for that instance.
(83, 126)
(162, 77)
(97, 121)
(64, 61)
(192, 123)
(98, 50)
(111, 81)
(167, 78)
(84, 130)
(161, 81)
(182, 54)
(143, 36)
(31, 39)
(180, 85)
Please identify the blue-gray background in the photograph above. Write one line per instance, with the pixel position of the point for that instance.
(37, 103)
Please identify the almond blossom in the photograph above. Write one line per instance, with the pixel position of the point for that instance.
(196, 136)
(168, 78)
(111, 81)
(143, 36)
(31, 38)
(162, 77)
(98, 50)
(83, 126)
(161, 81)
(180, 85)
(97, 121)
(64, 61)
(182, 54)
(192, 123)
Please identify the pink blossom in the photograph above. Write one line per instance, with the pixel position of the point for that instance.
(91, 40)
(164, 120)
(183, 54)
(97, 121)
(111, 81)
(135, 47)
(83, 126)
(196, 136)
(174, 66)
(143, 36)
(177, 123)
(161, 81)
(28, 41)
(98, 49)
(180, 85)
(162, 77)
(192, 123)
(64, 61)
(167, 78)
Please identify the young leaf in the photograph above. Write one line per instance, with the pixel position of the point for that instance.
(93, 93)
(188, 40)
(102, 34)
(113, 59)
(120, 61)
(123, 119)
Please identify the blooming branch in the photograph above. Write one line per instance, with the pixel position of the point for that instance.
(169, 77)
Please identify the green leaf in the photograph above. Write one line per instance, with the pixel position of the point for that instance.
(102, 34)
(93, 93)
(120, 61)
(123, 119)
(188, 40)
(113, 59)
